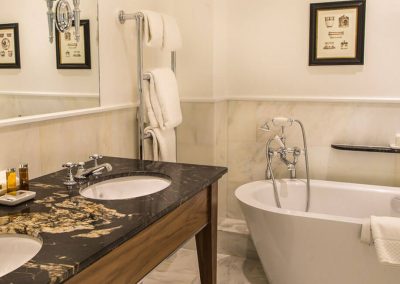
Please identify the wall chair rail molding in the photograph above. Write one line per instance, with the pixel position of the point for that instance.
(279, 98)
(63, 114)
(337, 33)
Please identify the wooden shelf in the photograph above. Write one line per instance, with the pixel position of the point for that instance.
(363, 148)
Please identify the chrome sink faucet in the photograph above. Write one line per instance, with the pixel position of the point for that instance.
(82, 173)
(96, 170)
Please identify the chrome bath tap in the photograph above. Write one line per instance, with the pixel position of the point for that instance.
(284, 154)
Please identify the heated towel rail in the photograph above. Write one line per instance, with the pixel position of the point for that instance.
(139, 18)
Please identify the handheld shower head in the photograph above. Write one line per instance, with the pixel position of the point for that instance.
(282, 121)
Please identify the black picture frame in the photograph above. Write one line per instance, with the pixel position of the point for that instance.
(85, 37)
(358, 59)
(17, 62)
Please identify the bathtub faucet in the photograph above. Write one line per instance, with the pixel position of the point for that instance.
(289, 156)
(283, 152)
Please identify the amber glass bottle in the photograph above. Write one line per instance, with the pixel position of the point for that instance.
(23, 177)
(11, 177)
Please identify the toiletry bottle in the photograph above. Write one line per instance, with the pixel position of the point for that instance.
(23, 177)
(11, 177)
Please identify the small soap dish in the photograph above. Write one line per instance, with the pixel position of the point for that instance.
(394, 146)
(19, 197)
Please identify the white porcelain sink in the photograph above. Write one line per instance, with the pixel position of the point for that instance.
(125, 188)
(16, 250)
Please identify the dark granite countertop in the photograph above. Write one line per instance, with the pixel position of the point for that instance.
(77, 231)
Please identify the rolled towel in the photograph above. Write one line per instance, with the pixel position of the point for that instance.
(172, 34)
(153, 29)
(163, 103)
(386, 236)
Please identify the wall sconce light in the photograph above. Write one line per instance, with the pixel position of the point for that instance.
(62, 16)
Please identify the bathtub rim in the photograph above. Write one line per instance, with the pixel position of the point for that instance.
(242, 193)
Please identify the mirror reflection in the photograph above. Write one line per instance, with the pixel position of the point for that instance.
(38, 77)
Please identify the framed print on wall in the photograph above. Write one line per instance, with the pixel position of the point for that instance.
(9, 46)
(72, 54)
(337, 32)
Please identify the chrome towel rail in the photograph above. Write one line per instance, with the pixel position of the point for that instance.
(139, 18)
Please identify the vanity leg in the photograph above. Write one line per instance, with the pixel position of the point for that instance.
(206, 240)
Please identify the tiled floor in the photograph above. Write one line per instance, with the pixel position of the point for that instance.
(181, 268)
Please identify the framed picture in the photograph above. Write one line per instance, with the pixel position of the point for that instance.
(9, 46)
(337, 32)
(72, 54)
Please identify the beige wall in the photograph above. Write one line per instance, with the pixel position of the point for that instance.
(45, 146)
(266, 52)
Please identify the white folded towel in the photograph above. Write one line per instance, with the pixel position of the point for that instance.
(151, 148)
(386, 237)
(172, 34)
(153, 29)
(164, 101)
(161, 146)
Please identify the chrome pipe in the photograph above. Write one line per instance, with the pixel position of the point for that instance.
(173, 61)
(77, 20)
(306, 162)
(140, 116)
(50, 19)
(123, 17)
(271, 174)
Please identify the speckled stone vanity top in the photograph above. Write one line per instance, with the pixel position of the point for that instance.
(76, 231)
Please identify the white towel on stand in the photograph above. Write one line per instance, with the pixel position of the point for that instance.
(153, 29)
(163, 147)
(164, 98)
(151, 149)
(172, 35)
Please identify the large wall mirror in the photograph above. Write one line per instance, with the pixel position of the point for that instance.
(39, 85)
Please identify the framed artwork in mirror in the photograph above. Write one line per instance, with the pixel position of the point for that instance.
(337, 32)
(9, 46)
(73, 54)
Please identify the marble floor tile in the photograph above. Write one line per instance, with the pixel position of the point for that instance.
(181, 268)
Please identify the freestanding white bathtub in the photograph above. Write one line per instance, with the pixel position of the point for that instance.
(321, 246)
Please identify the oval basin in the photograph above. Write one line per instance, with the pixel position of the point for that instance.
(16, 250)
(125, 188)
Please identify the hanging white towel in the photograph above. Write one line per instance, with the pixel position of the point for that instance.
(386, 237)
(151, 148)
(164, 99)
(163, 147)
(172, 35)
(153, 29)
(166, 140)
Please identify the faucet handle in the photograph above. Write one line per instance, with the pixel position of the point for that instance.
(69, 165)
(96, 157)
(70, 177)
